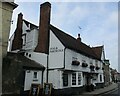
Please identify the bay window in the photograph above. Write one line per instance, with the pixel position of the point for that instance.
(73, 78)
(65, 79)
(79, 78)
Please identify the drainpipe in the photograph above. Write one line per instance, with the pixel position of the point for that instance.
(47, 68)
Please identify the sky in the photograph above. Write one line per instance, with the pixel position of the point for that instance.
(97, 22)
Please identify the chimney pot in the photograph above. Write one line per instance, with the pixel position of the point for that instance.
(79, 39)
(78, 35)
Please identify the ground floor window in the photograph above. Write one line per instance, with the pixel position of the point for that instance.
(79, 78)
(73, 78)
(65, 79)
(100, 77)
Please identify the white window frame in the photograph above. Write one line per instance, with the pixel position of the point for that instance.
(35, 79)
(73, 79)
(79, 78)
(100, 77)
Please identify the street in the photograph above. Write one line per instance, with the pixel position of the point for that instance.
(115, 92)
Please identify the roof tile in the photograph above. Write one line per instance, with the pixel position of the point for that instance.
(72, 43)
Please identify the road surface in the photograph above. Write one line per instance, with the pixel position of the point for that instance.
(115, 92)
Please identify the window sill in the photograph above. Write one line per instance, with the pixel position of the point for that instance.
(35, 79)
(76, 85)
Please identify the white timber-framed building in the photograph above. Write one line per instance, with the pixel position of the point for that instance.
(69, 63)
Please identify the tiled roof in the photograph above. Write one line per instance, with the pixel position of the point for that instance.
(98, 51)
(25, 62)
(72, 43)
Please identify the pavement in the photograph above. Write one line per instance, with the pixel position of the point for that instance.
(99, 92)
(96, 92)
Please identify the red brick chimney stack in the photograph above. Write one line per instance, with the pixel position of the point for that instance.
(17, 41)
(43, 38)
(79, 39)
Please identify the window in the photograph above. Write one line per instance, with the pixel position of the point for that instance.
(35, 76)
(24, 39)
(100, 77)
(79, 78)
(74, 79)
(26, 54)
(65, 79)
(29, 55)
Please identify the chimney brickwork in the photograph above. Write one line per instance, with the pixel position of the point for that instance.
(43, 37)
(17, 41)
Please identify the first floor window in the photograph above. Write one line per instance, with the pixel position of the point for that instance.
(35, 75)
(24, 39)
(100, 77)
(65, 79)
(79, 78)
(73, 78)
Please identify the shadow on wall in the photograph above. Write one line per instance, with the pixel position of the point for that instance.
(12, 75)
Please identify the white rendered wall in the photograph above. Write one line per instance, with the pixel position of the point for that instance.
(54, 78)
(25, 27)
(30, 80)
(40, 58)
(10, 43)
(56, 52)
(69, 54)
(31, 37)
(102, 56)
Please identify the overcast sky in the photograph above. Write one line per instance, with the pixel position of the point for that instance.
(98, 20)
